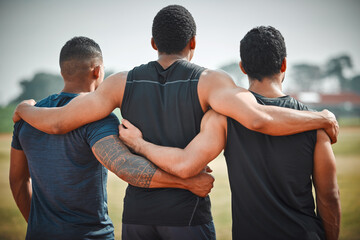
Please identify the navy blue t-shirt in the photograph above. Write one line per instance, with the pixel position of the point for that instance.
(69, 199)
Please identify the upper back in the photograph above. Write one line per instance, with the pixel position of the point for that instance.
(163, 103)
(270, 178)
(69, 184)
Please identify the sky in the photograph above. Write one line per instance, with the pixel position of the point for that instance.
(33, 32)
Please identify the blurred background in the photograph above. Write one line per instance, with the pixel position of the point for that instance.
(322, 39)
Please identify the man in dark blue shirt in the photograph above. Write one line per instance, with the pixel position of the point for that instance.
(271, 177)
(66, 197)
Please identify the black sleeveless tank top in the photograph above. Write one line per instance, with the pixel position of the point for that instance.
(164, 105)
(270, 181)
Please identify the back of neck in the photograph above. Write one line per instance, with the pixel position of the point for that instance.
(77, 88)
(166, 60)
(267, 88)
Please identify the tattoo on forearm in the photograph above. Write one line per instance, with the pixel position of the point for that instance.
(133, 169)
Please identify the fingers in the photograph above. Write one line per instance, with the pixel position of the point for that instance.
(127, 124)
(16, 117)
(31, 102)
(121, 128)
(208, 169)
(122, 131)
(333, 129)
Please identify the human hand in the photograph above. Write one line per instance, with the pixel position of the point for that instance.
(333, 129)
(207, 169)
(130, 135)
(201, 184)
(16, 116)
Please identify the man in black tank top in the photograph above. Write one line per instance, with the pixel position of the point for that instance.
(270, 177)
(167, 99)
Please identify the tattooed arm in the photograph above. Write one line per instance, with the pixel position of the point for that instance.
(140, 172)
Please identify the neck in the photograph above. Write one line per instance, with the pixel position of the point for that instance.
(166, 60)
(75, 87)
(268, 87)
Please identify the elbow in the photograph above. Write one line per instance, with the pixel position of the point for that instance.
(57, 128)
(12, 182)
(185, 174)
(331, 199)
(260, 124)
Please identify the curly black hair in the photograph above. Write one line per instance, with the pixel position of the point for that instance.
(262, 52)
(172, 29)
(80, 48)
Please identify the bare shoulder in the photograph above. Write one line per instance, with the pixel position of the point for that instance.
(216, 76)
(210, 82)
(117, 77)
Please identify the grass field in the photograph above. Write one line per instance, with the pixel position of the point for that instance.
(347, 150)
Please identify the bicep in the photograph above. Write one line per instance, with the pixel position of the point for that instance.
(116, 157)
(240, 105)
(211, 140)
(91, 107)
(18, 165)
(324, 164)
(227, 99)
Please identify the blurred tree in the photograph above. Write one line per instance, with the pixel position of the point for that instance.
(355, 84)
(41, 86)
(306, 75)
(235, 72)
(336, 66)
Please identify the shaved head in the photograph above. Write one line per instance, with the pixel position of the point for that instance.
(78, 56)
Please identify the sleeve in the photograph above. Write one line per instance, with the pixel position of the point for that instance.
(15, 143)
(102, 128)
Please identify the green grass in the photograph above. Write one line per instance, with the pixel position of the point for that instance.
(347, 151)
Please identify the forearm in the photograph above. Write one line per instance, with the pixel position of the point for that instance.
(20, 182)
(22, 193)
(242, 106)
(44, 119)
(175, 161)
(163, 179)
(134, 169)
(279, 121)
(329, 211)
(63, 119)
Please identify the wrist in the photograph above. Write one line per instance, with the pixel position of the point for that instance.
(185, 183)
(324, 120)
(141, 146)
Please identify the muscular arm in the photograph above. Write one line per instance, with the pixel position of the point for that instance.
(140, 172)
(218, 91)
(20, 183)
(80, 111)
(326, 188)
(187, 162)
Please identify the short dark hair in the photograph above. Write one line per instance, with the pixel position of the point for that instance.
(262, 52)
(80, 49)
(172, 29)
